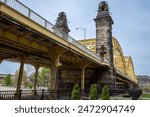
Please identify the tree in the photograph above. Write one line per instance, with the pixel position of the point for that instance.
(8, 80)
(30, 70)
(24, 78)
(75, 94)
(43, 74)
(93, 92)
(105, 95)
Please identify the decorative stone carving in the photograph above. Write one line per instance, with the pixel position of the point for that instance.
(61, 26)
(103, 6)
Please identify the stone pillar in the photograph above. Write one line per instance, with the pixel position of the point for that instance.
(20, 78)
(35, 79)
(104, 45)
(104, 23)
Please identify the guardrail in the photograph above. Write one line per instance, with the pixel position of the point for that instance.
(21, 8)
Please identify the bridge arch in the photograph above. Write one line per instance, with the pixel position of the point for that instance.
(130, 68)
(119, 60)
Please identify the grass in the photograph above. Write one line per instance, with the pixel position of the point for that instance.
(146, 96)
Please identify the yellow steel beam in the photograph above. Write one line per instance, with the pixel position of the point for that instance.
(10, 51)
(25, 34)
(10, 28)
(46, 44)
(38, 39)
(10, 37)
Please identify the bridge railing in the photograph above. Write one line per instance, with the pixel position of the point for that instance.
(121, 73)
(21, 8)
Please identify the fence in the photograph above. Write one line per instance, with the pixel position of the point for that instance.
(24, 10)
(61, 94)
(41, 95)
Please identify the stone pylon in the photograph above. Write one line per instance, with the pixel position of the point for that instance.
(104, 45)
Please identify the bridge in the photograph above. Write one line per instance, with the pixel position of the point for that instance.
(27, 37)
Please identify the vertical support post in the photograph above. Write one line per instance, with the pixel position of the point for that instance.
(83, 65)
(29, 13)
(82, 77)
(35, 79)
(57, 76)
(52, 80)
(57, 82)
(42, 96)
(53, 70)
(20, 78)
(82, 80)
(56, 54)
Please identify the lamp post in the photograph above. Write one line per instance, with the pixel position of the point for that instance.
(84, 29)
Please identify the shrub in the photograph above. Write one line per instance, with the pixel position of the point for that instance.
(105, 95)
(7, 80)
(30, 85)
(75, 94)
(93, 92)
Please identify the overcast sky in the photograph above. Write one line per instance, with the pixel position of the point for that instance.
(131, 25)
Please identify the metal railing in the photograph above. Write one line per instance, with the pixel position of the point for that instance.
(126, 76)
(61, 94)
(7, 95)
(24, 10)
(29, 95)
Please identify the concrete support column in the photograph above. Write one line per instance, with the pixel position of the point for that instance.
(20, 78)
(35, 79)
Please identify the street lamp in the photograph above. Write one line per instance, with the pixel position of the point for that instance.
(84, 29)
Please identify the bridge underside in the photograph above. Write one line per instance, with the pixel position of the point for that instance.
(68, 64)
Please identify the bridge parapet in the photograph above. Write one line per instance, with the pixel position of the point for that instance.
(24, 10)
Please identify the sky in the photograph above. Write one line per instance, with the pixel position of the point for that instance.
(131, 25)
